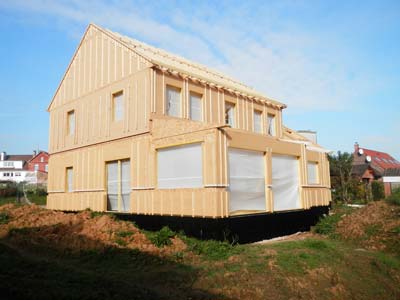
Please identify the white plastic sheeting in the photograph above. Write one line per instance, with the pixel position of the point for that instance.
(285, 182)
(173, 101)
(125, 185)
(180, 167)
(230, 114)
(246, 180)
(70, 178)
(118, 185)
(271, 125)
(112, 186)
(312, 172)
(118, 106)
(195, 107)
(257, 121)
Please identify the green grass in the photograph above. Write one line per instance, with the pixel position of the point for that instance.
(372, 230)
(394, 198)
(4, 217)
(327, 224)
(7, 200)
(38, 199)
(123, 234)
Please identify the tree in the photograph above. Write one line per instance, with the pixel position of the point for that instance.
(340, 171)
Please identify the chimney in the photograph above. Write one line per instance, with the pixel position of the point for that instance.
(34, 153)
(3, 156)
(356, 147)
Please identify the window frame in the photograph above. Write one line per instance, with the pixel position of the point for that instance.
(269, 123)
(232, 106)
(200, 96)
(317, 176)
(69, 188)
(71, 116)
(257, 111)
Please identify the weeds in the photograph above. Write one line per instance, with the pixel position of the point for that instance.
(4, 218)
(162, 237)
(123, 234)
(394, 198)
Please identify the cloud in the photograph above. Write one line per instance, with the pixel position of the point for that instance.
(253, 46)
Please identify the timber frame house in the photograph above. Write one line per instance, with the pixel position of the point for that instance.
(134, 129)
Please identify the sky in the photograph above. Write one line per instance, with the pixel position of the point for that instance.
(336, 64)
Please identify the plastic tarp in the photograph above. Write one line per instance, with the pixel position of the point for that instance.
(285, 182)
(112, 186)
(312, 172)
(173, 102)
(246, 180)
(180, 167)
(195, 107)
(118, 106)
(257, 121)
(125, 185)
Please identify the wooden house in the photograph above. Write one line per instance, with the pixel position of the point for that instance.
(135, 129)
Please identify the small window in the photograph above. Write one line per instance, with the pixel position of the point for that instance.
(271, 130)
(17, 174)
(42, 159)
(71, 122)
(230, 114)
(173, 101)
(312, 173)
(69, 179)
(46, 168)
(118, 106)
(36, 167)
(257, 119)
(12, 174)
(195, 107)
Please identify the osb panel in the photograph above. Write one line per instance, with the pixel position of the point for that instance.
(205, 202)
(93, 114)
(98, 61)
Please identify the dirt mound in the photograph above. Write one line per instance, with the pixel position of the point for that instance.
(31, 224)
(375, 226)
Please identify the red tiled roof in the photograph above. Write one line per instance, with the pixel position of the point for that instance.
(17, 157)
(382, 159)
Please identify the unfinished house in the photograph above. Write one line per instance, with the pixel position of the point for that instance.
(137, 130)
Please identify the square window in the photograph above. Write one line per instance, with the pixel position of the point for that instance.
(173, 101)
(118, 106)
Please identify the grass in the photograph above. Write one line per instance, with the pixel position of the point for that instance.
(38, 199)
(4, 217)
(327, 224)
(394, 198)
(7, 200)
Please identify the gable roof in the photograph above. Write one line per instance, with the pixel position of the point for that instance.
(176, 64)
(18, 157)
(39, 153)
(381, 159)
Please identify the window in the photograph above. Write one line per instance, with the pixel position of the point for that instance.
(230, 114)
(69, 179)
(118, 185)
(257, 117)
(118, 106)
(8, 164)
(46, 168)
(36, 167)
(42, 159)
(180, 167)
(12, 174)
(312, 173)
(71, 122)
(173, 101)
(195, 107)
(271, 125)
(17, 174)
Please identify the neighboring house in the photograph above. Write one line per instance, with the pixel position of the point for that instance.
(28, 168)
(14, 168)
(136, 129)
(369, 165)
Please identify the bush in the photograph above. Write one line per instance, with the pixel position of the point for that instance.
(378, 192)
(161, 238)
(327, 224)
(394, 198)
(4, 218)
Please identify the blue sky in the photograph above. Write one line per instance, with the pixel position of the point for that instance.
(336, 64)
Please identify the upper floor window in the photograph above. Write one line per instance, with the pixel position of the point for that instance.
(42, 159)
(46, 168)
(118, 106)
(69, 179)
(8, 164)
(195, 107)
(312, 172)
(257, 119)
(71, 122)
(36, 167)
(271, 128)
(173, 101)
(230, 114)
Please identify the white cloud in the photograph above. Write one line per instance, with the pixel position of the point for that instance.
(283, 63)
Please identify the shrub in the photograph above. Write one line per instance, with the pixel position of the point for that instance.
(378, 192)
(4, 218)
(394, 198)
(327, 224)
(161, 238)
